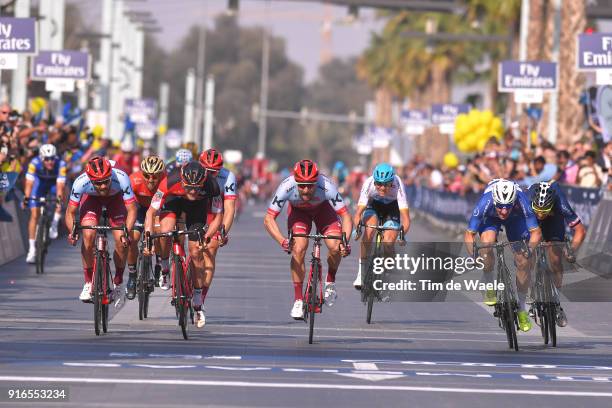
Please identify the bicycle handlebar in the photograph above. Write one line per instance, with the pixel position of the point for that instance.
(360, 227)
(175, 233)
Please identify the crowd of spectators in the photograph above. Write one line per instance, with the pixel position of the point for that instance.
(584, 163)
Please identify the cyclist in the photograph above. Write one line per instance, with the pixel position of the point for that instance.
(187, 190)
(382, 197)
(503, 203)
(46, 175)
(212, 161)
(102, 185)
(144, 184)
(554, 212)
(312, 198)
(181, 157)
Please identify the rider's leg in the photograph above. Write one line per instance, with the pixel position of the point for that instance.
(210, 254)
(34, 216)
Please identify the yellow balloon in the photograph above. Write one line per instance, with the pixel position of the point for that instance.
(162, 129)
(482, 133)
(534, 137)
(481, 144)
(463, 146)
(37, 104)
(487, 117)
(451, 160)
(497, 124)
(97, 131)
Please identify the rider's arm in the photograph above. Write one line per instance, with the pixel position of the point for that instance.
(229, 210)
(213, 227)
(579, 236)
(132, 211)
(30, 177)
(405, 219)
(27, 190)
(347, 224)
(358, 214)
(70, 216)
(149, 219)
(272, 228)
(535, 236)
(61, 180)
(468, 239)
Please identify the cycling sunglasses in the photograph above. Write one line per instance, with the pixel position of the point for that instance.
(504, 206)
(541, 211)
(306, 185)
(49, 159)
(379, 184)
(192, 188)
(100, 183)
(151, 176)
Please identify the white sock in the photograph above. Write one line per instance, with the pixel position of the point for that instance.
(360, 262)
(522, 296)
(165, 264)
(56, 218)
(32, 245)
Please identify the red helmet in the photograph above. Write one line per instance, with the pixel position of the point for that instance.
(98, 168)
(305, 171)
(211, 159)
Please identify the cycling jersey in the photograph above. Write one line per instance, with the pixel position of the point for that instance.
(171, 186)
(395, 193)
(519, 223)
(227, 184)
(562, 214)
(288, 191)
(120, 184)
(141, 191)
(37, 171)
(170, 166)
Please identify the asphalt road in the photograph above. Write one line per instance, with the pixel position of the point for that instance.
(252, 354)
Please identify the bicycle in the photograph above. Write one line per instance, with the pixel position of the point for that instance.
(545, 294)
(101, 270)
(506, 307)
(314, 290)
(182, 287)
(145, 284)
(368, 293)
(42, 231)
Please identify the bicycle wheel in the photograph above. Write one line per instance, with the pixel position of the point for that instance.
(178, 291)
(312, 299)
(369, 282)
(543, 315)
(145, 286)
(98, 293)
(140, 286)
(40, 245)
(106, 290)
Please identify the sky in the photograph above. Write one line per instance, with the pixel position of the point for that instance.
(300, 23)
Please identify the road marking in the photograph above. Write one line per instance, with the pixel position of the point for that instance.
(529, 377)
(304, 385)
(114, 365)
(455, 375)
(365, 366)
(370, 372)
(164, 366)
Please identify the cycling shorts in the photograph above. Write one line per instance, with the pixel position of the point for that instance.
(515, 226)
(41, 189)
(388, 213)
(195, 211)
(300, 220)
(91, 209)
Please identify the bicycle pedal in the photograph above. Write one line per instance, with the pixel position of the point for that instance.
(172, 302)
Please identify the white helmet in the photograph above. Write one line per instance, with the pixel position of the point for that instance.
(47, 150)
(504, 192)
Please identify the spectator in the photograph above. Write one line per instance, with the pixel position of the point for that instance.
(567, 170)
(590, 174)
(605, 162)
(540, 171)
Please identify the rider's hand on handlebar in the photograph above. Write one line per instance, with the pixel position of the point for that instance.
(345, 249)
(73, 239)
(125, 240)
(25, 202)
(569, 255)
(286, 245)
(223, 240)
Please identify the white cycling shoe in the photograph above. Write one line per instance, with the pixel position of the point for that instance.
(164, 281)
(31, 257)
(85, 295)
(200, 318)
(297, 312)
(330, 295)
(357, 281)
(53, 231)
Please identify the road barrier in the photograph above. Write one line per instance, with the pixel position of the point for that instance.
(11, 238)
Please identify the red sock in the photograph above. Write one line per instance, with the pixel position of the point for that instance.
(204, 292)
(118, 276)
(297, 289)
(88, 274)
(331, 275)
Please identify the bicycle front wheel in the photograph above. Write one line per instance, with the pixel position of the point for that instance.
(98, 292)
(40, 245)
(312, 299)
(178, 291)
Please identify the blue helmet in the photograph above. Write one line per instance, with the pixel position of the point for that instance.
(183, 156)
(339, 165)
(383, 173)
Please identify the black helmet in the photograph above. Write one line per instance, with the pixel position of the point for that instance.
(193, 174)
(543, 197)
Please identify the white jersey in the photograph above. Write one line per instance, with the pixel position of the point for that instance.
(395, 193)
(120, 184)
(326, 190)
(227, 184)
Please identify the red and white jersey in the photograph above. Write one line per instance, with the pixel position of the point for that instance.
(141, 191)
(227, 184)
(287, 191)
(172, 186)
(395, 193)
(120, 184)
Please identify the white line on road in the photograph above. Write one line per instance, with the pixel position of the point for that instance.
(253, 384)
(365, 366)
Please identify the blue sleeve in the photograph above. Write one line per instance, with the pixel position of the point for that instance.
(525, 204)
(562, 204)
(480, 211)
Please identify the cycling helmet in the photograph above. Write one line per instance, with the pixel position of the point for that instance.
(383, 173)
(339, 165)
(504, 192)
(98, 168)
(211, 159)
(152, 165)
(305, 171)
(193, 174)
(183, 156)
(543, 197)
(46, 151)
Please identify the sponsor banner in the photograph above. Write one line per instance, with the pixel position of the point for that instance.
(65, 64)
(18, 35)
(594, 51)
(447, 112)
(529, 75)
(141, 110)
(8, 61)
(174, 138)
